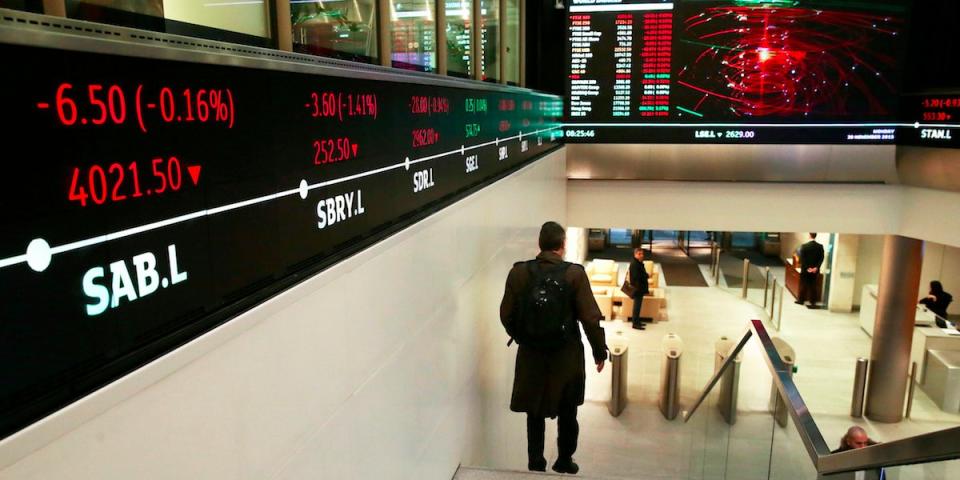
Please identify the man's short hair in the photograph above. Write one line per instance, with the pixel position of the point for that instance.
(813, 234)
(637, 250)
(856, 430)
(552, 236)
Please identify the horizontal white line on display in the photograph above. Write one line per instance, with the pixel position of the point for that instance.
(770, 125)
(641, 7)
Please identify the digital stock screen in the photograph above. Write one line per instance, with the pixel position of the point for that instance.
(753, 71)
(147, 198)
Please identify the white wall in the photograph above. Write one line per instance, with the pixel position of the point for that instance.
(869, 259)
(767, 207)
(843, 278)
(376, 368)
(736, 207)
(576, 250)
(931, 215)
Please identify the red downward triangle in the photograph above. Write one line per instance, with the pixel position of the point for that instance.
(354, 149)
(194, 171)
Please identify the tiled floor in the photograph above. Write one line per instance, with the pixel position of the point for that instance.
(641, 443)
(468, 473)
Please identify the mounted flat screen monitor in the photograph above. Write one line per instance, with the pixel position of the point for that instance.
(735, 71)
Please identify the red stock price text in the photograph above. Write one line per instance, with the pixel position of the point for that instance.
(101, 105)
(118, 182)
(342, 105)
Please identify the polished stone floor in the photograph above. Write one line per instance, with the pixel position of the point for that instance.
(641, 443)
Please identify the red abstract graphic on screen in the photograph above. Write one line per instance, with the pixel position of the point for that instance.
(756, 60)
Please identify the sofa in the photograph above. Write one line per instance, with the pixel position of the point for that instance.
(603, 272)
(604, 297)
(654, 305)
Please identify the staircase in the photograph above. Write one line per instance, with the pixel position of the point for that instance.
(473, 473)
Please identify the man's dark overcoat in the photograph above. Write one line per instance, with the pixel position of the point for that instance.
(546, 380)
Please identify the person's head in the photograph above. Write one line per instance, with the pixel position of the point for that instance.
(936, 288)
(638, 254)
(553, 237)
(813, 235)
(856, 437)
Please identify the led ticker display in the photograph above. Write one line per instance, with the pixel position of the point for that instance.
(706, 71)
(150, 199)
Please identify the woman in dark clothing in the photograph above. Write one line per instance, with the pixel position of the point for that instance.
(937, 302)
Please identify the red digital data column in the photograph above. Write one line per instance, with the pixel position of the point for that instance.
(655, 58)
(943, 108)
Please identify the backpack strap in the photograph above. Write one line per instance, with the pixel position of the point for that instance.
(533, 266)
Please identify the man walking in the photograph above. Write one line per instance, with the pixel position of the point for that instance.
(811, 257)
(543, 300)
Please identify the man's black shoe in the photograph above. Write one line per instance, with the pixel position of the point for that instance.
(537, 466)
(566, 466)
(798, 302)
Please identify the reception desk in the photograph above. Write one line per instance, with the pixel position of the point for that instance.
(931, 338)
(942, 383)
(868, 311)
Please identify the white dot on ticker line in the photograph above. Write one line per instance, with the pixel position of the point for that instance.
(38, 254)
(303, 189)
(164, 282)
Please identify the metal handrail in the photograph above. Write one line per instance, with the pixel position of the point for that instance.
(807, 428)
(929, 447)
(716, 376)
(925, 448)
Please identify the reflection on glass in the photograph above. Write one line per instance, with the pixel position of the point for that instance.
(35, 6)
(249, 17)
(154, 8)
(246, 17)
(413, 34)
(946, 469)
(490, 40)
(511, 22)
(335, 28)
(458, 38)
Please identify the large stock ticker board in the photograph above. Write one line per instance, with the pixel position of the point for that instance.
(735, 71)
(148, 200)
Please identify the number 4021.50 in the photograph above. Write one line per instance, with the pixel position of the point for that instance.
(116, 182)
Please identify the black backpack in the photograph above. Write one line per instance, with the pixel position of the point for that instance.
(543, 315)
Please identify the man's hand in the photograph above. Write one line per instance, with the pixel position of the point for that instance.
(600, 366)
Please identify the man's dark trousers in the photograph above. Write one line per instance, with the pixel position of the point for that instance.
(808, 287)
(637, 303)
(567, 432)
